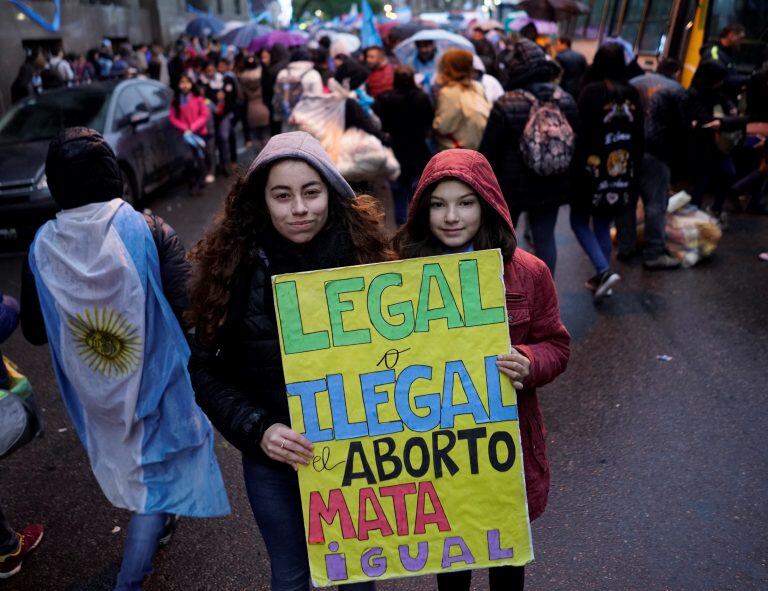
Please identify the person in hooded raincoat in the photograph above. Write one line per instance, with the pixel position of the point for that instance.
(105, 286)
(459, 207)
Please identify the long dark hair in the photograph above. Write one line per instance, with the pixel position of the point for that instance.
(415, 239)
(176, 103)
(234, 241)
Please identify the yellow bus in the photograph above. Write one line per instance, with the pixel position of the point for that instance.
(676, 29)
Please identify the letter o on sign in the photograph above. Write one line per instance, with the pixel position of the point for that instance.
(501, 437)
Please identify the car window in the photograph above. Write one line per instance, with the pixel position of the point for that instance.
(43, 117)
(158, 98)
(128, 102)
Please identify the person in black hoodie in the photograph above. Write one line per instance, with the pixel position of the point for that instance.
(609, 151)
(715, 128)
(529, 76)
(406, 115)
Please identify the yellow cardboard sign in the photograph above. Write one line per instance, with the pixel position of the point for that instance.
(390, 371)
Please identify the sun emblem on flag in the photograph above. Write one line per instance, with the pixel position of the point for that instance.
(106, 341)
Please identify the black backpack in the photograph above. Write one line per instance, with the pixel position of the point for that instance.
(610, 165)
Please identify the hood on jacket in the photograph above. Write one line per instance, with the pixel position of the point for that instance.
(301, 146)
(469, 167)
(526, 63)
(81, 168)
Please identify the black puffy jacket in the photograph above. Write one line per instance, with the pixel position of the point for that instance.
(524, 67)
(174, 273)
(524, 189)
(238, 379)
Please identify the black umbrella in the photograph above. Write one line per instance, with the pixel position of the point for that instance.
(553, 10)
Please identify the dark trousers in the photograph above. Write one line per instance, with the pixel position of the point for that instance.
(542, 223)
(8, 539)
(755, 186)
(273, 493)
(500, 578)
(715, 173)
(402, 190)
(654, 191)
(223, 145)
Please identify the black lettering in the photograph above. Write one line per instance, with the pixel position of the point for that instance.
(506, 438)
(384, 457)
(416, 442)
(442, 453)
(472, 435)
(356, 449)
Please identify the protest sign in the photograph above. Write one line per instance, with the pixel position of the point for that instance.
(391, 371)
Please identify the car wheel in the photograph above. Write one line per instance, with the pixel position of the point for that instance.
(130, 193)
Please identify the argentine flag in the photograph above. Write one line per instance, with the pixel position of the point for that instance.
(120, 359)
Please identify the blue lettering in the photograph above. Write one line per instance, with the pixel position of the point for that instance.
(473, 406)
(307, 393)
(373, 398)
(423, 401)
(342, 428)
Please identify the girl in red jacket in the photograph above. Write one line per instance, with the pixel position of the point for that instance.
(189, 114)
(458, 207)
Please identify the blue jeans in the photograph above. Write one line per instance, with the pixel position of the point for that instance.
(402, 190)
(542, 223)
(654, 191)
(596, 241)
(140, 546)
(224, 127)
(273, 492)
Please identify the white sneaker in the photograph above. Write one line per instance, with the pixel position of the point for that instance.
(607, 281)
(209, 178)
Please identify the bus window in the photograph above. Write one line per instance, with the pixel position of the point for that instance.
(657, 19)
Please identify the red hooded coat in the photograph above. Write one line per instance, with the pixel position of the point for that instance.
(535, 328)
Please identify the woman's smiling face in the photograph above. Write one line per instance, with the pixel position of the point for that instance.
(454, 213)
(297, 200)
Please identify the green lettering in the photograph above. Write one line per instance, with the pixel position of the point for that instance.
(336, 306)
(474, 313)
(391, 332)
(449, 310)
(295, 340)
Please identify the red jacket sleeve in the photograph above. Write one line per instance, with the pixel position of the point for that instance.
(548, 343)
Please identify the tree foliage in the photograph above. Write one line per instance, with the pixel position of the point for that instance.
(330, 8)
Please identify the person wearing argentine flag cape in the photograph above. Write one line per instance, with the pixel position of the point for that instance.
(105, 287)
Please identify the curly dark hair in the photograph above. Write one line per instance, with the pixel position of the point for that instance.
(233, 240)
(415, 239)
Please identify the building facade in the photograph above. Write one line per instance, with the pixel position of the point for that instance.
(84, 23)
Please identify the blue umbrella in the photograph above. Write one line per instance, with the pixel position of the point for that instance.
(406, 50)
(242, 36)
(204, 26)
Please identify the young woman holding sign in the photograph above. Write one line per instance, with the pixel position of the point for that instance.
(458, 207)
(292, 212)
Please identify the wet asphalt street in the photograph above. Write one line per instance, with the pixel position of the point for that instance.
(660, 469)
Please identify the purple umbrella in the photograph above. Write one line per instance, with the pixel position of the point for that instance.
(287, 38)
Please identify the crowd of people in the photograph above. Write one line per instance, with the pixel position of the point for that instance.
(467, 143)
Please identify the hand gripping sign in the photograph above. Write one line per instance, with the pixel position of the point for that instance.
(391, 373)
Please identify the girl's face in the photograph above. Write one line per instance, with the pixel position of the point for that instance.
(266, 58)
(297, 200)
(185, 85)
(454, 213)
